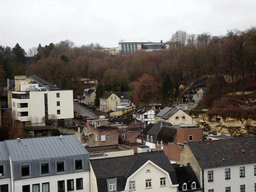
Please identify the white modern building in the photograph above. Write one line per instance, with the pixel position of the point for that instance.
(44, 164)
(34, 101)
(227, 165)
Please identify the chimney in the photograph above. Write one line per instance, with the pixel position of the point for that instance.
(18, 139)
(60, 136)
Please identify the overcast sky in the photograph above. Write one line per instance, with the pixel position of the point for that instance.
(30, 22)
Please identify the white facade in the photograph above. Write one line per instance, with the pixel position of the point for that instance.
(147, 117)
(150, 177)
(32, 106)
(221, 181)
(53, 182)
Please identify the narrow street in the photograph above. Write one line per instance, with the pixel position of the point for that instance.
(84, 111)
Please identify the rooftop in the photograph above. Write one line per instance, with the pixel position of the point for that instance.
(227, 152)
(44, 147)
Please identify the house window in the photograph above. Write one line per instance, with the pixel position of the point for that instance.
(98, 123)
(23, 105)
(79, 183)
(112, 186)
(58, 103)
(60, 166)
(145, 116)
(96, 137)
(211, 190)
(242, 188)
(26, 188)
(210, 176)
(57, 95)
(1, 170)
(23, 114)
(148, 183)
(183, 117)
(103, 137)
(254, 170)
(228, 189)
(46, 187)
(242, 171)
(36, 187)
(177, 118)
(79, 164)
(184, 187)
(58, 112)
(13, 104)
(116, 102)
(227, 173)
(25, 170)
(4, 188)
(162, 181)
(61, 186)
(193, 185)
(44, 168)
(190, 137)
(132, 185)
(70, 185)
(254, 187)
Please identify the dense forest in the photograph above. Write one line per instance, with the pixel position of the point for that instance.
(232, 57)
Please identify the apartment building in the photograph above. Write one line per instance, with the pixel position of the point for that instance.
(44, 164)
(35, 101)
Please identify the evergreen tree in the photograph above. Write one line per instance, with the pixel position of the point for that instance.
(20, 54)
(99, 93)
(167, 89)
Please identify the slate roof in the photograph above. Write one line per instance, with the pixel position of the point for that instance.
(186, 175)
(106, 95)
(163, 112)
(222, 153)
(157, 128)
(167, 135)
(44, 148)
(4, 156)
(170, 113)
(145, 131)
(122, 95)
(122, 167)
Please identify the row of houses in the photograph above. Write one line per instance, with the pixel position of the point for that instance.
(62, 164)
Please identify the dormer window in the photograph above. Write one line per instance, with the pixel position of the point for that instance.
(112, 187)
(184, 187)
(1, 170)
(193, 185)
(25, 170)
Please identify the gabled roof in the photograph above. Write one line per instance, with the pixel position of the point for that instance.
(44, 148)
(222, 153)
(106, 95)
(157, 128)
(163, 112)
(122, 167)
(170, 113)
(186, 175)
(122, 95)
(167, 134)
